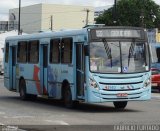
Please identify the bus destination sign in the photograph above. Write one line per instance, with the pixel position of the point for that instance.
(117, 33)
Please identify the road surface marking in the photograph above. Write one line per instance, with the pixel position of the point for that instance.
(16, 117)
(2, 113)
(1, 124)
(57, 122)
(11, 128)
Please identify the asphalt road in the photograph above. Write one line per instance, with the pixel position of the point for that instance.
(14, 111)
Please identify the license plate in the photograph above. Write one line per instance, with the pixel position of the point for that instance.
(122, 95)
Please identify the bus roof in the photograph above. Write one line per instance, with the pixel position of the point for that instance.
(48, 34)
(63, 33)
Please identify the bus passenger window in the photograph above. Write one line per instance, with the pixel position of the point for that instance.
(7, 53)
(54, 51)
(66, 50)
(22, 52)
(33, 51)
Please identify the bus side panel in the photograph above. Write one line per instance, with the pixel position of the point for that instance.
(56, 75)
(6, 76)
(30, 73)
(32, 87)
(54, 84)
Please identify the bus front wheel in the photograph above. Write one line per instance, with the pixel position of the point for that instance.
(22, 90)
(120, 104)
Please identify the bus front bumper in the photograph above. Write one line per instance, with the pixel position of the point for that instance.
(98, 96)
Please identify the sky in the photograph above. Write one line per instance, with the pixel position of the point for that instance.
(5, 5)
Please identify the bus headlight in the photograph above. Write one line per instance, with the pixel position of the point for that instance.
(147, 82)
(93, 83)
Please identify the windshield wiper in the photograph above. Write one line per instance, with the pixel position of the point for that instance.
(108, 50)
(144, 53)
(131, 52)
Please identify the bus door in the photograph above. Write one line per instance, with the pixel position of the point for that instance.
(12, 70)
(44, 69)
(80, 62)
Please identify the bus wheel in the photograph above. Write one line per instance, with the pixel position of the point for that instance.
(120, 104)
(22, 90)
(68, 97)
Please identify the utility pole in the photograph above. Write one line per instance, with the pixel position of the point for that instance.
(142, 15)
(8, 25)
(87, 17)
(142, 18)
(19, 21)
(51, 22)
(115, 13)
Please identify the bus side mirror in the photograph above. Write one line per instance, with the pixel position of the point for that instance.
(86, 50)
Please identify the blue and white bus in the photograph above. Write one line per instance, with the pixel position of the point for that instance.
(91, 65)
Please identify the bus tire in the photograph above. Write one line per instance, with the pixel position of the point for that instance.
(68, 97)
(22, 90)
(120, 104)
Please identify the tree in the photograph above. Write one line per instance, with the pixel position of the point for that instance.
(145, 13)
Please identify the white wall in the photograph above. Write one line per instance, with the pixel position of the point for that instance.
(36, 18)
(66, 16)
(30, 17)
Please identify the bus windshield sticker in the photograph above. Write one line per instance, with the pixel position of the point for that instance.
(125, 69)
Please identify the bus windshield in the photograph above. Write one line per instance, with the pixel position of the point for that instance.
(119, 57)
